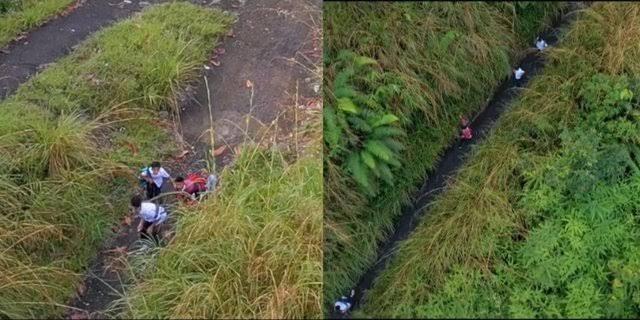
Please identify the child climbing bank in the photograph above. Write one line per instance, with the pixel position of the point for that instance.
(195, 184)
(154, 175)
(518, 74)
(541, 44)
(151, 216)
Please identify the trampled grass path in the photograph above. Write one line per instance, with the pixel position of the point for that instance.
(454, 157)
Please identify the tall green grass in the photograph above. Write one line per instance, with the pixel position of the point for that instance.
(433, 63)
(541, 222)
(68, 141)
(17, 16)
(251, 250)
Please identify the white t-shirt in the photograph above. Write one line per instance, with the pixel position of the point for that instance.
(519, 73)
(148, 213)
(157, 178)
(343, 306)
(541, 44)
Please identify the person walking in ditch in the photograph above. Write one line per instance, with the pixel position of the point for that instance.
(151, 217)
(541, 44)
(154, 176)
(518, 74)
(344, 304)
(465, 130)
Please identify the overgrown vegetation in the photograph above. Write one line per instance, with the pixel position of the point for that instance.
(69, 137)
(358, 130)
(252, 250)
(17, 16)
(543, 220)
(397, 77)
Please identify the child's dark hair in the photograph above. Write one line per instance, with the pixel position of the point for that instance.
(179, 179)
(136, 201)
(155, 164)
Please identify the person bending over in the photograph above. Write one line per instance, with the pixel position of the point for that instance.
(151, 216)
(194, 185)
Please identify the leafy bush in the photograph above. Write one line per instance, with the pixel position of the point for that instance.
(357, 127)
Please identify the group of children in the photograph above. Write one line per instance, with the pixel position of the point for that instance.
(153, 215)
(518, 74)
(344, 304)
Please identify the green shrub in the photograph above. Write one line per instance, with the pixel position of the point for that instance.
(357, 128)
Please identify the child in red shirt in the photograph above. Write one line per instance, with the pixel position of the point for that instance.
(193, 185)
(466, 133)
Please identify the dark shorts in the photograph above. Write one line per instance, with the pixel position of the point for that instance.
(517, 83)
(152, 190)
(144, 233)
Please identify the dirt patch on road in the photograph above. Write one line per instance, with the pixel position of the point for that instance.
(268, 67)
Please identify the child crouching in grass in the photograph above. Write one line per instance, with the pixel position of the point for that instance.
(151, 217)
(465, 129)
(195, 185)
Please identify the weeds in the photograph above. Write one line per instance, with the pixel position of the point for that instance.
(435, 62)
(540, 222)
(68, 137)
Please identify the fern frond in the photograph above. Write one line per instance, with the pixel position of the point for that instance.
(379, 149)
(359, 124)
(347, 105)
(368, 159)
(385, 173)
(359, 171)
(385, 119)
(332, 132)
(393, 144)
(387, 131)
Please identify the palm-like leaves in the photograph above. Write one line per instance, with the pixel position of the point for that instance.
(357, 129)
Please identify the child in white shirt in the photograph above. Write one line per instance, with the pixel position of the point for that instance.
(151, 216)
(155, 175)
(541, 44)
(518, 74)
(344, 304)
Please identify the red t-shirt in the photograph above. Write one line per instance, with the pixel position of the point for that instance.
(194, 183)
(466, 133)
